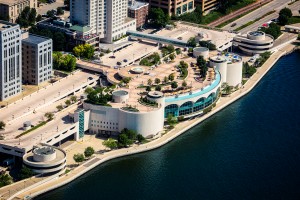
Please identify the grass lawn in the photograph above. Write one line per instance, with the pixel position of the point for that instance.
(294, 20)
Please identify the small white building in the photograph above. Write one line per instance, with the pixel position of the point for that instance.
(255, 42)
(230, 66)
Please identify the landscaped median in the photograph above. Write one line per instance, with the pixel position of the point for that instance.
(253, 21)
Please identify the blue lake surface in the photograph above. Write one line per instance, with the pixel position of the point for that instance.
(250, 150)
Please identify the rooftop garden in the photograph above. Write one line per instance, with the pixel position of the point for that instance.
(183, 69)
(147, 102)
(130, 108)
(153, 59)
(98, 96)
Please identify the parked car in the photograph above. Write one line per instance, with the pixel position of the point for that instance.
(125, 60)
(119, 63)
(112, 56)
(233, 24)
(179, 38)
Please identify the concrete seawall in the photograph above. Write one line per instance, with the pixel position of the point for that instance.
(180, 129)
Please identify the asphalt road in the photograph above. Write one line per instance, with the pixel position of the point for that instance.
(274, 5)
(294, 7)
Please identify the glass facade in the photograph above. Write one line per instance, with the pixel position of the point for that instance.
(171, 109)
(186, 108)
(190, 107)
(81, 123)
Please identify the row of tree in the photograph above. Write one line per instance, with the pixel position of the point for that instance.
(79, 157)
(126, 138)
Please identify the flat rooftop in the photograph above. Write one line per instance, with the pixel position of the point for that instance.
(137, 4)
(33, 39)
(5, 25)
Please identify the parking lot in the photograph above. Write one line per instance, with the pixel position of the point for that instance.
(44, 7)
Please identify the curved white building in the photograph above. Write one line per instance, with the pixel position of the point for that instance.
(230, 66)
(112, 120)
(201, 51)
(45, 159)
(254, 42)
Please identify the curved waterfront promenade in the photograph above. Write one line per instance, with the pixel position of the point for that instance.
(179, 129)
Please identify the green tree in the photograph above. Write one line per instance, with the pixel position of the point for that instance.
(59, 107)
(171, 77)
(286, 11)
(158, 88)
(184, 84)
(88, 90)
(283, 20)
(284, 15)
(73, 98)
(89, 151)
(5, 179)
(140, 138)
(158, 18)
(201, 62)
(2, 125)
(32, 16)
(25, 173)
(110, 143)
(149, 82)
(148, 88)
(39, 18)
(86, 51)
(59, 41)
(192, 42)
(166, 79)
(174, 85)
(157, 81)
(131, 134)
(172, 56)
(50, 14)
(68, 102)
(49, 116)
(126, 80)
(60, 11)
(27, 17)
(178, 51)
(124, 141)
(170, 48)
(78, 158)
(171, 120)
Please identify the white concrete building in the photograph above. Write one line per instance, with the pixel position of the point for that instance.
(107, 18)
(112, 120)
(36, 58)
(201, 51)
(45, 159)
(10, 60)
(230, 66)
(254, 42)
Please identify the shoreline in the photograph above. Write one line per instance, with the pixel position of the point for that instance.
(57, 180)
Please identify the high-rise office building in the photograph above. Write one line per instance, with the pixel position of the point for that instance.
(10, 60)
(207, 5)
(36, 59)
(107, 18)
(173, 7)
